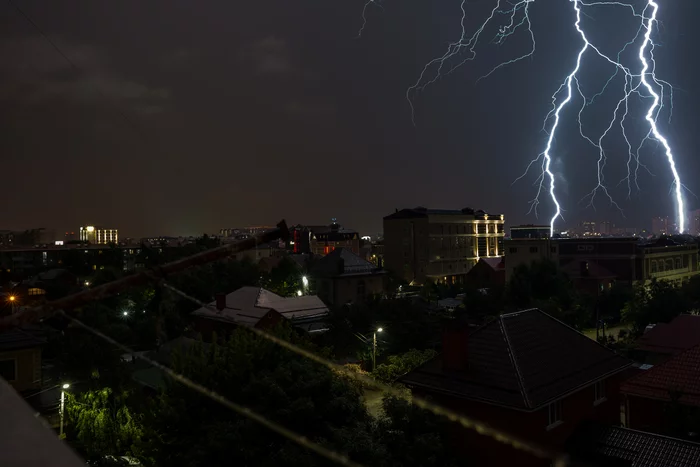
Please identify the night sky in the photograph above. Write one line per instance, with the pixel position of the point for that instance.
(185, 117)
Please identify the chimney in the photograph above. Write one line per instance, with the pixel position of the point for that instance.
(220, 301)
(455, 352)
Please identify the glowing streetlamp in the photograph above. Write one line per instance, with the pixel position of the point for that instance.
(305, 281)
(299, 293)
(374, 348)
(63, 399)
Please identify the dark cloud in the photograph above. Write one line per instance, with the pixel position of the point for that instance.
(35, 74)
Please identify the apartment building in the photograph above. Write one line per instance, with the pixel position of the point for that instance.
(440, 245)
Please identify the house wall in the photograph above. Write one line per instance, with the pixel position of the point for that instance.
(528, 426)
(644, 414)
(341, 290)
(27, 368)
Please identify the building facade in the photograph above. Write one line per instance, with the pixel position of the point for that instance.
(440, 245)
(323, 239)
(342, 277)
(607, 260)
(98, 235)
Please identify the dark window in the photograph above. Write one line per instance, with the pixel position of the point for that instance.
(533, 249)
(512, 250)
(554, 249)
(361, 288)
(554, 413)
(8, 370)
(599, 392)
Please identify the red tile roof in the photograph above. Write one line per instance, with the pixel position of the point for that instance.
(602, 445)
(522, 360)
(680, 334)
(680, 374)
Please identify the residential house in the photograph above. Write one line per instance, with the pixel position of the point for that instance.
(664, 340)
(594, 444)
(487, 273)
(527, 374)
(655, 397)
(20, 359)
(256, 307)
(343, 277)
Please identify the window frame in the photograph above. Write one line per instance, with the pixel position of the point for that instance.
(599, 392)
(554, 415)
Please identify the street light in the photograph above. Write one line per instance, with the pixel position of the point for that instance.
(305, 281)
(63, 399)
(299, 293)
(374, 348)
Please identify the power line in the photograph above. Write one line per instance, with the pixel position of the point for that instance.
(216, 397)
(75, 67)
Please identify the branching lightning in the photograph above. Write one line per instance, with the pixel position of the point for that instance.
(511, 16)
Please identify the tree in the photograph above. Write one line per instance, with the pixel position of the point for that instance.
(413, 436)
(285, 279)
(658, 302)
(102, 423)
(186, 428)
(399, 365)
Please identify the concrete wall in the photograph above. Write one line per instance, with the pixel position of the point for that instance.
(27, 368)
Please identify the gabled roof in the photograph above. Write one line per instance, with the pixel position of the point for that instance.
(680, 375)
(522, 360)
(16, 339)
(343, 262)
(248, 305)
(496, 263)
(602, 445)
(671, 338)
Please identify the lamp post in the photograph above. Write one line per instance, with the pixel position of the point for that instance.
(374, 348)
(63, 399)
(13, 302)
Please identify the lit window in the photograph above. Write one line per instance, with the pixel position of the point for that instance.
(554, 410)
(599, 389)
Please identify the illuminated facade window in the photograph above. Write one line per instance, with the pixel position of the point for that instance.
(98, 235)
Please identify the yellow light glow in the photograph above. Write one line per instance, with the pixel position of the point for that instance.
(90, 228)
(12, 298)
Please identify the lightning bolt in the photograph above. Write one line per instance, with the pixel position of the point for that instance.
(651, 116)
(646, 85)
(470, 43)
(364, 15)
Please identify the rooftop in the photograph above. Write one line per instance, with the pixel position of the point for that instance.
(248, 305)
(522, 360)
(679, 376)
(17, 339)
(343, 262)
(671, 338)
(425, 212)
(616, 446)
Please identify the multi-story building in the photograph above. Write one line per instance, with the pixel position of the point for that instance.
(530, 231)
(322, 239)
(440, 245)
(694, 222)
(595, 263)
(98, 235)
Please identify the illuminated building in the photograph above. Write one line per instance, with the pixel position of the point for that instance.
(323, 239)
(440, 245)
(98, 235)
(694, 222)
